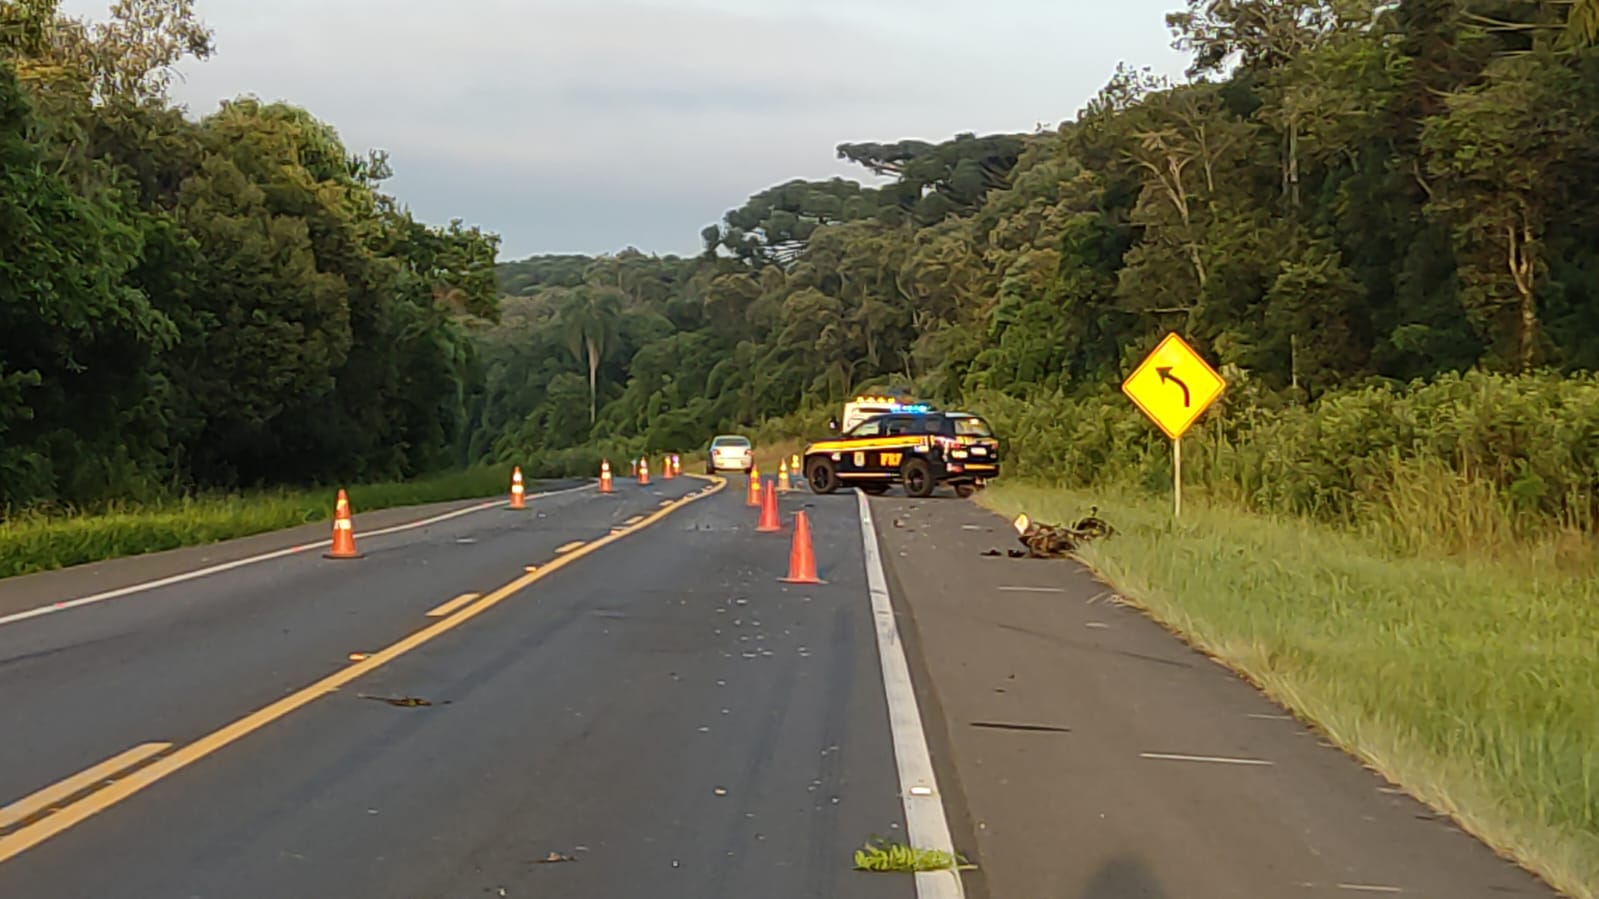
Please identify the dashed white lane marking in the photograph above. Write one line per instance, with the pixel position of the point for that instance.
(1215, 759)
(120, 592)
(925, 823)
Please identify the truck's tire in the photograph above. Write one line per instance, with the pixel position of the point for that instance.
(873, 489)
(918, 478)
(965, 490)
(821, 476)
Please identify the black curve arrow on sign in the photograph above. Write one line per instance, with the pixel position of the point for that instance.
(1166, 375)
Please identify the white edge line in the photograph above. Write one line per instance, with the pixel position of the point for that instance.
(120, 592)
(925, 824)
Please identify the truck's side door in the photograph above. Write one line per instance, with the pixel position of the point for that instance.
(888, 459)
(853, 460)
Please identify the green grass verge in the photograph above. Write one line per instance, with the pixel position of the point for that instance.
(1471, 683)
(41, 544)
(882, 856)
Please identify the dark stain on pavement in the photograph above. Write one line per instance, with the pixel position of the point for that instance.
(1124, 878)
(1043, 728)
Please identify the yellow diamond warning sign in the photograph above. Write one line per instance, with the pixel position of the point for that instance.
(1174, 386)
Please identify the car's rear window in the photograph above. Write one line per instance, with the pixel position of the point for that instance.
(971, 426)
(731, 441)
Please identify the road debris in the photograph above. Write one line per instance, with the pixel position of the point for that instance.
(1053, 541)
(554, 858)
(403, 701)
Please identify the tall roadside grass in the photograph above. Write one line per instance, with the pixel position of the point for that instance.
(34, 543)
(1464, 671)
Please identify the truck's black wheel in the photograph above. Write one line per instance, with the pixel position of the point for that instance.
(819, 473)
(965, 490)
(873, 489)
(918, 476)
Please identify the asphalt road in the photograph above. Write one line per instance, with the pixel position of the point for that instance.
(1091, 755)
(623, 681)
(660, 709)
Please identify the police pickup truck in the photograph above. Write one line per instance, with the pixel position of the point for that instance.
(918, 449)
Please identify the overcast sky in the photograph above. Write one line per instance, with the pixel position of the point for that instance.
(591, 125)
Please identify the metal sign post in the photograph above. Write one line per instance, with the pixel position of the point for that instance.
(1177, 477)
(1174, 385)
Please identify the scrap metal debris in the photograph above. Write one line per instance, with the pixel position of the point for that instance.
(1053, 541)
(405, 701)
(554, 858)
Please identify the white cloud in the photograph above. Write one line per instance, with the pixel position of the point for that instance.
(533, 118)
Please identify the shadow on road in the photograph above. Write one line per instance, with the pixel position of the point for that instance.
(1124, 878)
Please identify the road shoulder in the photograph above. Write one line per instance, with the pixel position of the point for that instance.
(18, 594)
(1086, 752)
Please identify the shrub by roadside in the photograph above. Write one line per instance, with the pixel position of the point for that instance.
(1473, 463)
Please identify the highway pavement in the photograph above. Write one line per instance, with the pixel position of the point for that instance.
(616, 696)
(623, 700)
(1090, 754)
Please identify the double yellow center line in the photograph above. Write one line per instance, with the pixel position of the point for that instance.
(461, 609)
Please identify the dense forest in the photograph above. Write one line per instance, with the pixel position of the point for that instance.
(1345, 201)
(1375, 217)
(197, 304)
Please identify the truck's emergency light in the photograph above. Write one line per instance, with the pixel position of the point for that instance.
(893, 405)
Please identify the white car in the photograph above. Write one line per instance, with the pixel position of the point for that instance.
(730, 452)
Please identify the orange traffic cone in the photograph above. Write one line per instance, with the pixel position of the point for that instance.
(770, 522)
(783, 483)
(753, 500)
(666, 468)
(517, 501)
(801, 560)
(644, 471)
(605, 475)
(343, 531)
